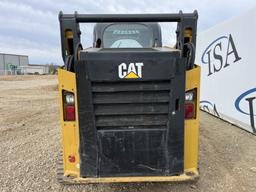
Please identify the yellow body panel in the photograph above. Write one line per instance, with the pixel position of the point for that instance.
(70, 131)
(191, 131)
(70, 138)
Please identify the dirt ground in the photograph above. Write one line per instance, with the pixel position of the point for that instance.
(30, 141)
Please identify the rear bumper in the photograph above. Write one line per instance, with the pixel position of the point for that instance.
(189, 175)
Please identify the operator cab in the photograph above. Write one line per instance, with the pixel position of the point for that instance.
(127, 35)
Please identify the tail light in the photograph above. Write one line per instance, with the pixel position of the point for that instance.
(70, 113)
(190, 104)
(189, 110)
(69, 106)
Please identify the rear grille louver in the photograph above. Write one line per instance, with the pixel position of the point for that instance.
(131, 104)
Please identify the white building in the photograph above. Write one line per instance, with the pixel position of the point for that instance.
(34, 69)
(9, 63)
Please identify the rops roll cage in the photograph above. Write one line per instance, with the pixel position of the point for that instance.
(70, 31)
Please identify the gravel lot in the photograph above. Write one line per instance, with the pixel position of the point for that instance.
(30, 141)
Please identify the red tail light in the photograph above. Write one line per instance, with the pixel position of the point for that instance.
(69, 106)
(189, 110)
(190, 104)
(70, 114)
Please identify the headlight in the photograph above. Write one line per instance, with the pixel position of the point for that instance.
(189, 96)
(70, 99)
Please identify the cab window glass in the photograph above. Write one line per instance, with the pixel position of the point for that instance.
(128, 36)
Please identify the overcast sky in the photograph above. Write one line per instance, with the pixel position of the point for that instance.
(31, 27)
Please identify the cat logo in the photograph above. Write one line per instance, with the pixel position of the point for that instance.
(131, 71)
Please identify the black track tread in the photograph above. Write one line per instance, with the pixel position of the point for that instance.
(60, 171)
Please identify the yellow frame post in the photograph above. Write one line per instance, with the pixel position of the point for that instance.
(69, 129)
(191, 131)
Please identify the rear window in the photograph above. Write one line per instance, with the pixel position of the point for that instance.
(128, 36)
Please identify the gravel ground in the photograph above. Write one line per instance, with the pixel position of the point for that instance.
(30, 141)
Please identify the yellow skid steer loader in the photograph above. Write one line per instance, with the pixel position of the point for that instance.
(129, 106)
